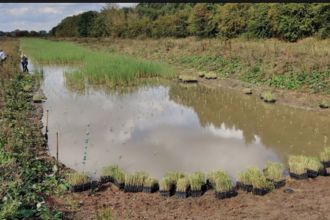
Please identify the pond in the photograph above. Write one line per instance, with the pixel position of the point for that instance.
(164, 126)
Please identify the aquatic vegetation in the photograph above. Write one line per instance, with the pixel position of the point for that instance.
(97, 67)
(136, 179)
(211, 75)
(109, 171)
(247, 91)
(298, 164)
(174, 176)
(268, 96)
(78, 179)
(27, 88)
(187, 78)
(314, 163)
(325, 154)
(324, 104)
(196, 180)
(37, 97)
(165, 184)
(182, 184)
(223, 183)
(215, 174)
(150, 182)
(119, 176)
(274, 171)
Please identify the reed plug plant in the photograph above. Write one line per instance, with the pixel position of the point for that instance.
(324, 104)
(119, 176)
(37, 97)
(196, 181)
(298, 164)
(210, 75)
(325, 155)
(78, 179)
(183, 184)
(268, 96)
(150, 182)
(223, 184)
(108, 171)
(274, 171)
(27, 88)
(165, 184)
(314, 164)
(247, 91)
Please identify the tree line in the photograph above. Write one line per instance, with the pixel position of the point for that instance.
(286, 21)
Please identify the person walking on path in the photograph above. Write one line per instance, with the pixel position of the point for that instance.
(24, 61)
(3, 57)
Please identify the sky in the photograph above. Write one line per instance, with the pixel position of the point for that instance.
(42, 16)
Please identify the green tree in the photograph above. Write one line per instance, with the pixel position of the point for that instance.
(86, 22)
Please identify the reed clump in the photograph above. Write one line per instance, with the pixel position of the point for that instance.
(165, 184)
(223, 183)
(298, 164)
(314, 164)
(325, 155)
(215, 174)
(274, 171)
(150, 182)
(211, 75)
(78, 179)
(37, 97)
(197, 180)
(174, 176)
(109, 171)
(183, 184)
(119, 176)
(247, 91)
(324, 104)
(267, 96)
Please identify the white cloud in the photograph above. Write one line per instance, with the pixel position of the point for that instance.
(18, 11)
(48, 10)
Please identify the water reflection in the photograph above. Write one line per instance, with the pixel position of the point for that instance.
(166, 126)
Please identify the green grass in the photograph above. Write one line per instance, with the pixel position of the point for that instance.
(97, 67)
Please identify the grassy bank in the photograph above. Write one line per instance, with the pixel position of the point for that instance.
(302, 66)
(25, 179)
(96, 67)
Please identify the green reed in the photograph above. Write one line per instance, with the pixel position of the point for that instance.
(97, 67)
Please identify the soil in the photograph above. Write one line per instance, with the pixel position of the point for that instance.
(309, 201)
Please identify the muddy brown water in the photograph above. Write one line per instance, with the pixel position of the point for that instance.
(167, 126)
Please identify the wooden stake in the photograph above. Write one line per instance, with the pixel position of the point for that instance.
(47, 121)
(57, 146)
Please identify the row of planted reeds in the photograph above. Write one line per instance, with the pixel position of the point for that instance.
(96, 67)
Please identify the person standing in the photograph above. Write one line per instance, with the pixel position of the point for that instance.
(24, 61)
(3, 56)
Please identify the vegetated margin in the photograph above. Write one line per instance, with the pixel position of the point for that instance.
(25, 178)
(302, 66)
(97, 67)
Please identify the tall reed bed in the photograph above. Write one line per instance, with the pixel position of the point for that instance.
(97, 67)
(44, 51)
